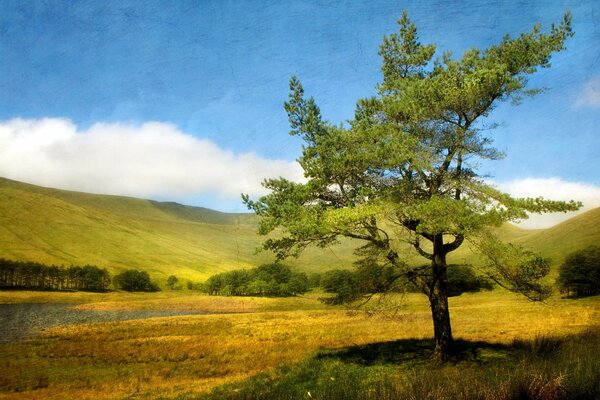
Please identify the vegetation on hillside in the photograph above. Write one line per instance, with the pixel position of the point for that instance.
(58, 227)
(404, 168)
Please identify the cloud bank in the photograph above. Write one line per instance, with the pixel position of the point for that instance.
(149, 160)
(157, 160)
(552, 189)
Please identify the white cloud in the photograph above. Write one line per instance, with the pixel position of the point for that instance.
(149, 160)
(552, 189)
(590, 96)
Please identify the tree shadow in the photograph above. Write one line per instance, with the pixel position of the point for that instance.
(418, 351)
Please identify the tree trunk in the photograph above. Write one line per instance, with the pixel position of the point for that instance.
(438, 300)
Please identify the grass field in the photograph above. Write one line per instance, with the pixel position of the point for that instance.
(188, 356)
(274, 348)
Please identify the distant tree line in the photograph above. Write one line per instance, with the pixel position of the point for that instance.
(266, 280)
(344, 285)
(38, 276)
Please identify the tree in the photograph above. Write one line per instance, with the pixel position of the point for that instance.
(580, 273)
(133, 280)
(343, 284)
(172, 281)
(404, 169)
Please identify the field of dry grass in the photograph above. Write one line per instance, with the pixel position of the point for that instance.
(188, 355)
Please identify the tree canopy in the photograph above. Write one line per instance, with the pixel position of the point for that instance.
(404, 169)
(265, 280)
(579, 275)
(133, 280)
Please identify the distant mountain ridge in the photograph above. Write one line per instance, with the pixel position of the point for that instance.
(63, 227)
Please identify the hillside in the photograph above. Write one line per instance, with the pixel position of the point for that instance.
(576, 233)
(64, 227)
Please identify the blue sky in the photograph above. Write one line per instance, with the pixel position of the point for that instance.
(201, 84)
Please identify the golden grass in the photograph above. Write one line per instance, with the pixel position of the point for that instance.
(177, 356)
(167, 300)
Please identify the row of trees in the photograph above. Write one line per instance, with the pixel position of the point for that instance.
(38, 276)
(33, 275)
(265, 280)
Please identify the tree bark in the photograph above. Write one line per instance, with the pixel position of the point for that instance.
(438, 300)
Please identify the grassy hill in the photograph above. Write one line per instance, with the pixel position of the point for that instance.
(64, 227)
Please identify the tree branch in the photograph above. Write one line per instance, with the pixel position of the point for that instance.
(450, 247)
(421, 252)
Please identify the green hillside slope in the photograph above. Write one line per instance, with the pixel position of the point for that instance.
(64, 227)
(574, 234)
(164, 238)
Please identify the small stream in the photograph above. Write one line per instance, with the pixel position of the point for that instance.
(23, 321)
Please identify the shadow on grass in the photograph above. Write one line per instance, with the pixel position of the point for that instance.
(522, 370)
(419, 351)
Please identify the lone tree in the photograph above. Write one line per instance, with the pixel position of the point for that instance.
(404, 169)
(172, 281)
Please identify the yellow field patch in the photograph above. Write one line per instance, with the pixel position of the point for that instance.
(191, 354)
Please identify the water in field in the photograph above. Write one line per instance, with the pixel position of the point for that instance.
(22, 321)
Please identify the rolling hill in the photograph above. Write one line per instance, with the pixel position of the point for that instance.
(164, 238)
(559, 240)
(64, 227)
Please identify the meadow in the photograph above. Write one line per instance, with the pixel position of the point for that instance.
(288, 347)
(274, 348)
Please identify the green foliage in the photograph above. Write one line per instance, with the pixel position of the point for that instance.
(349, 286)
(265, 280)
(172, 283)
(343, 284)
(404, 169)
(133, 280)
(195, 285)
(579, 275)
(32, 275)
(515, 269)
(462, 279)
(314, 280)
